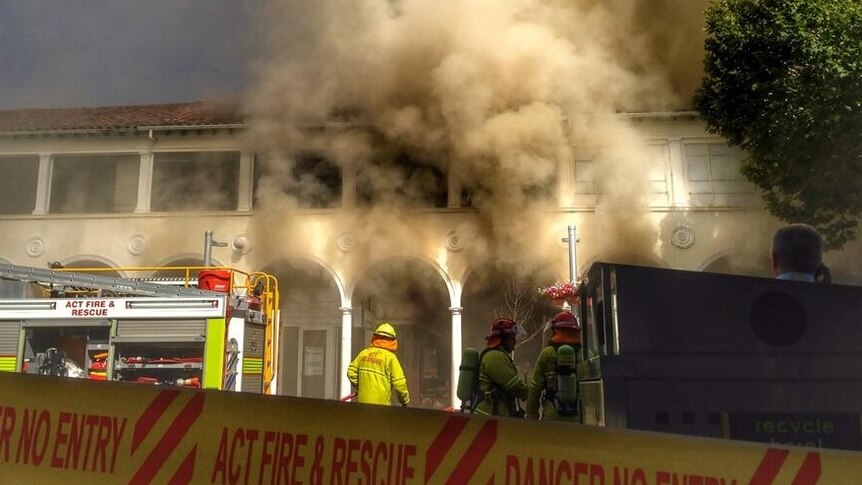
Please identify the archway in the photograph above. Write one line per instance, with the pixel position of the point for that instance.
(91, 262)
(180, 274)
(740, 264)
(633, 259)
(310, 333)
(412, 295)
(491, 292)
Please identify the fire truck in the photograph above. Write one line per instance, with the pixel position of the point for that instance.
(201, 327)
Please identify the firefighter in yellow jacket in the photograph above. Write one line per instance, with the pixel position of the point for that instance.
(499, 384)
(544, 383)
(376, 370)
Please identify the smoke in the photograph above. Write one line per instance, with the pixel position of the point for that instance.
(496, 92)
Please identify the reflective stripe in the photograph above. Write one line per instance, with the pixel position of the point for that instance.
(511, 383)
(252, 365)
(373, 371)
(8, 363)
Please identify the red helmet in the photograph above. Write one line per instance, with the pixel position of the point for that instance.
(565, 319)
(502, 327)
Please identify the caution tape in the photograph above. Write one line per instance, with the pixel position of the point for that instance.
(55, 430)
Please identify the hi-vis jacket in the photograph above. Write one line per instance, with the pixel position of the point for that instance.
(500, 384)
(543, 385)
(375, 371)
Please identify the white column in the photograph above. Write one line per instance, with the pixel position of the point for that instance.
(346, 349)
(43, 184)
(679, 189)
(456, 354)
(245, 190)
(145, 183)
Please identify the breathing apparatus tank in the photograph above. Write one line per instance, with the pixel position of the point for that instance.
(567, 381)
(468, 377)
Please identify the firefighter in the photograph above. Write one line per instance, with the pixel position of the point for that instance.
(553, 385)
(376, 370)
(499, 384)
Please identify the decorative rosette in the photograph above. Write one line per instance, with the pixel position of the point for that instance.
(562, 292)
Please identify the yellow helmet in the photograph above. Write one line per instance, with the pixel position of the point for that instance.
(385, 329)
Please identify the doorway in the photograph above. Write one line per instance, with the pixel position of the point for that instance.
(311, 354)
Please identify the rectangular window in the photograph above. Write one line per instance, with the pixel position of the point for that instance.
(195, 181)
(585, 177)
(541, 191)
(18, 184)
(653, 161)
(401, 179)
(311, 179)
(713, 174)
(658, 174)
(94, 183)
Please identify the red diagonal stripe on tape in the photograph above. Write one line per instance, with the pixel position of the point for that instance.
(443, 443)
(769, 467)
(184, 474)
(169, 441)
(809, 473)
(151, 415)
(478, 450)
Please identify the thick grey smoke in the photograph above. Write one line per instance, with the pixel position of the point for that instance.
(497, 92)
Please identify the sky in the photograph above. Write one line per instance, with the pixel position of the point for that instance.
(117, 52)
(56, 54)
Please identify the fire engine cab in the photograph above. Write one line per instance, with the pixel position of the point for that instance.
(211, 328)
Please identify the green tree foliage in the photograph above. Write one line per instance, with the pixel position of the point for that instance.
(783, 81)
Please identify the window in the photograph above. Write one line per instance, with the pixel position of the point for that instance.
(18, 184)
(205, 181)
(486, 185)
(713, 174)
(401, 179)
(585, 177)
(653, 160)
(94, 183)
(658, 171)
(311, 179)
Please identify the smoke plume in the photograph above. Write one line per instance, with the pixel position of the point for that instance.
(497, 92)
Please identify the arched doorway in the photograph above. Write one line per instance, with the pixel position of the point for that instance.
(493, 292)
(633, 259)
(740, 264)
(310, 333)
(87, 263)
(179, 274)
(412, 295)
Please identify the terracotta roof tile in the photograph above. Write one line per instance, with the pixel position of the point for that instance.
(119, 117)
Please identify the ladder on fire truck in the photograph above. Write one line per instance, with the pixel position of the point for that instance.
(107, 283)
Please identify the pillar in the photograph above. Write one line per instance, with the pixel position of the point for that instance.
(346, 349)
(456, 354)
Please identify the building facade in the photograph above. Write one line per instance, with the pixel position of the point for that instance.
(139, 186)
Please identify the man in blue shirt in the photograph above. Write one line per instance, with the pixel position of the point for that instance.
(797, 252)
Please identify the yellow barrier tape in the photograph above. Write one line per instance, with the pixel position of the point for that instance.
(71, 431)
